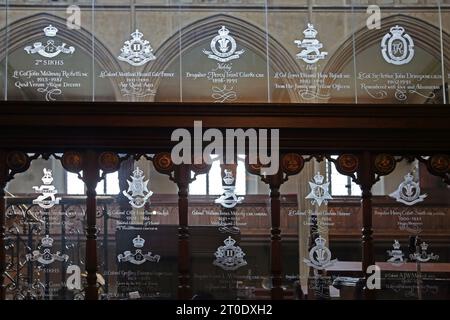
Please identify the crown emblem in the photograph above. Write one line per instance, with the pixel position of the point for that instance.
(228, 178)
(408, 192)
(223, 31)
(310, 32)
(318, 178)
(137, 192)
(397, 47)
(397, 30)
(50, 49)
(229, 257)
(50, 31)
(223, 47)
(311, 46)
(136, 51)
(138, 173)
(47, 242)
(319, 255)
(424, 246)
(48, 198)
(396, 255)
(138, 257)
(46, 257)
(138, 242)
(319, 190)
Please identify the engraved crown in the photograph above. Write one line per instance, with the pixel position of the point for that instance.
(47, 178)
(318, 178)
(310, 32)
(229, 241)
(138, 173)
(228, 179)
(47, 242)
(424, 246)
(397, 30)
(320, 242)
(50, 31)
(224, 31)
(396, 245)
(138, 242)
(409, 177)
(137, 34)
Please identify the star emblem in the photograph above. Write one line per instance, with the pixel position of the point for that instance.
(319, 190)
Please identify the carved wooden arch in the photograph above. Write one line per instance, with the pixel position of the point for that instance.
(23, 31)
(425, 35)
(250, 35)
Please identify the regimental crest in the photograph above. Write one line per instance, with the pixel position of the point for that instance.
(47, 199)
(311, 46)
(46, 257)
(223, 47)
(229, 257)
(397, 47)
(421, 254)
(50, 49)
(229, 199)
(408, 192)
(136, 51)
(138, 257)
(137, 192)
(319, 190)
(320, 255)
(396, 255)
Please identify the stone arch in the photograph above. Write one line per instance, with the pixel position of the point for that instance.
(23, 31)
(249, 35)
(425, 35)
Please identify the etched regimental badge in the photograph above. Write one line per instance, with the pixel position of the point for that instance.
(46, 256)
(228, 199)
(138, 257)
(137, 192)
(421, 254)
(408, 192)
(136, 51)
(319, 190)
(50, 49)
(320, 255)
(311, 46)
(223, 47)
(396, 255)
(397, 47)
(47, 199)
(229, 257)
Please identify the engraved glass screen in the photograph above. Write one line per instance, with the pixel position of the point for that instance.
(137, 51)
(45, 238)
(49, 51)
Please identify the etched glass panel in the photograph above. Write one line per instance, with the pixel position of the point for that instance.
(138, 237)
(3, 38)
(229, 242)
(311, 52)
(411, 226)
(137, 51)
(45, 240)
(224, 56)
(322, 232)
(49, 51)
(445, 21)
(400, 62)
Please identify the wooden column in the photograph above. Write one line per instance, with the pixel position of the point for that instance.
(182, 178)
(367, 179)
(91, 178)
(275, 182)
(3, 180)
